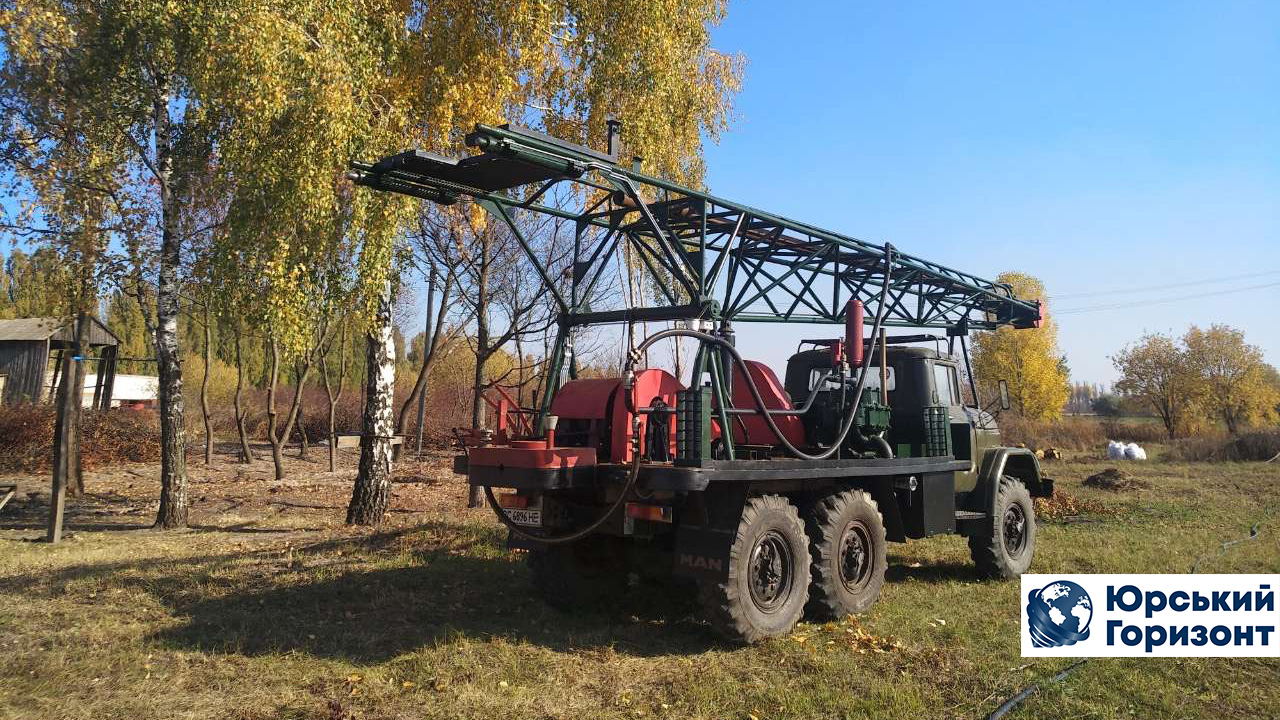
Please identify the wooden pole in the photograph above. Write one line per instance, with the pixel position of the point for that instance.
(64, 461)
(109, 381)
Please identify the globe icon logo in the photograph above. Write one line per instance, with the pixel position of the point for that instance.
(1058, 614)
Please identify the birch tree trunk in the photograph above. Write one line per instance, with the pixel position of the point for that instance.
(372, 492)
(173, 434)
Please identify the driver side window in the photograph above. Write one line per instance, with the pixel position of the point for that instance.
(944, 385)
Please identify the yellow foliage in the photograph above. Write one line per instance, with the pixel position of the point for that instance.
(1237, 386)
(1204, 377)
(1156, 371)
(1027, 359)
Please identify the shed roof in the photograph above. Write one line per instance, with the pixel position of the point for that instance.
(52, 328)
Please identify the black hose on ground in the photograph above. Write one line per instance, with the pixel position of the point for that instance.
(1030, 690)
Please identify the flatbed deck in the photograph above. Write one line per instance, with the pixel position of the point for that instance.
(669, 476)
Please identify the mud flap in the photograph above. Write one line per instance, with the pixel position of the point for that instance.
(882, 492)
(702, 553)
(515, 542)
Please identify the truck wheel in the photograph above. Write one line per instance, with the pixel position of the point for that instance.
(849, 555)
(768, 574)
(579, 574)
(1005, 548)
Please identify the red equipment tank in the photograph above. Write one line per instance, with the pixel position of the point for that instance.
(757, 430)
(600, 402)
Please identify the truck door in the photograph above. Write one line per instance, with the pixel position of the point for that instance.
(946, 388)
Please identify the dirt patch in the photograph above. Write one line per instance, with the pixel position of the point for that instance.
(1115, 480)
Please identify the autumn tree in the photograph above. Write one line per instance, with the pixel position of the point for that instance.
(119, 75)
(1233, 374)
(1027, 359)
(30, 282)
(428, 346)
(62, 165)
(273, 100)
(1155, 369)
(563, 67)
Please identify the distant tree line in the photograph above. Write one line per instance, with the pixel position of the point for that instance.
(1206, 376)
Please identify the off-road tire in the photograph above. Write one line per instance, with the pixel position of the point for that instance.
(579, 575)
(992, 551)
(770, 528)
(848, 555)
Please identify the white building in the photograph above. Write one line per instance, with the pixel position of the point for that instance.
(136, 391)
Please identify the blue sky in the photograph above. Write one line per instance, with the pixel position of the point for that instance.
(1098, 146)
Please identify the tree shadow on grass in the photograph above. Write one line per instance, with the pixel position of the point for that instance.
(323, 598)
(104, 511)
(372, 616)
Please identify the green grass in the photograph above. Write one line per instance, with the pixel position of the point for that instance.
(274, 618)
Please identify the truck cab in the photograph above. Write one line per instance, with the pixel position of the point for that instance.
(921, 385)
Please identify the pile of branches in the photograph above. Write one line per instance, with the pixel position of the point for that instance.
(109, 437)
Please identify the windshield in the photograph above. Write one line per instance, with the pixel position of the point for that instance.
(833, 382)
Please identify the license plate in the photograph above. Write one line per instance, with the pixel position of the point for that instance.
(529, 517)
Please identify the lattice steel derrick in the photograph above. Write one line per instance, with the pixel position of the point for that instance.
(709, 257)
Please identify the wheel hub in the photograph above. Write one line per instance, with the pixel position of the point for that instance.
(855, 559)
(1015, 530)
(770, 571)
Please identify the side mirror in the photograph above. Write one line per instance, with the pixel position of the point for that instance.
(1004, 395)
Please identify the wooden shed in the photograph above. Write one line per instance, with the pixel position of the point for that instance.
(31, 347)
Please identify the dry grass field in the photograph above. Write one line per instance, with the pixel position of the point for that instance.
(269, 608)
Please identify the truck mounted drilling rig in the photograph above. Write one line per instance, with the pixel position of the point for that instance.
(776, 497)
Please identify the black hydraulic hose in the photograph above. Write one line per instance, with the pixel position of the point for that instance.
(634, 474)
(576, 534)
(1030, 690)
(884, 445)
(755, 391)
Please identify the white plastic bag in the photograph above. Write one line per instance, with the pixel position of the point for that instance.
(1133, 451)
(1115, 450)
